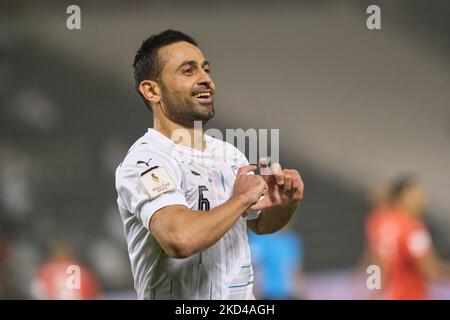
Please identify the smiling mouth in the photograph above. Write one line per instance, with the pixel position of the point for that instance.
(203, 97)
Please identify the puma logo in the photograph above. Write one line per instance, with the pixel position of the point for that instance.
(146, 163)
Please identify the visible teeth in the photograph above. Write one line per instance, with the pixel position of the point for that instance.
(202, 94)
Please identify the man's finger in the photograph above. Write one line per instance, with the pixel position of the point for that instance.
(296, 183)
(287, 181)
(278, 173)
(264, 169)
(245, 169)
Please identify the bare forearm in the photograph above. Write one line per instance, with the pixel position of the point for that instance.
(274, 218)
(182, 232)
(205, 228)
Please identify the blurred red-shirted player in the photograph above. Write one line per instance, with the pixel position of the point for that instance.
(400, 243)
(57, 279)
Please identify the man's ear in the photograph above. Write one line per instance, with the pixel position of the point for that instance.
(150, 90)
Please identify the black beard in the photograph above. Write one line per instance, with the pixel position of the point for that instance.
(185, 111)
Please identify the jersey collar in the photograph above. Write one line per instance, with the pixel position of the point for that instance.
(165, 141)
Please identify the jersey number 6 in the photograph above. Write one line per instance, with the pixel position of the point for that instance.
(203, 202)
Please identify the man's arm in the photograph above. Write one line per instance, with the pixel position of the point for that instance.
(182, 232)
(282, 199)
(272, 219)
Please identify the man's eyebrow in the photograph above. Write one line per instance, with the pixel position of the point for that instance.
(193, 63)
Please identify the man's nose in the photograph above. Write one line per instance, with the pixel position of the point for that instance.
(205, 79)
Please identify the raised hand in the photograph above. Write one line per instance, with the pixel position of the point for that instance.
(285, 186)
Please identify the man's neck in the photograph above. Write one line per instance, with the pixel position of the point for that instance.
(190, 137)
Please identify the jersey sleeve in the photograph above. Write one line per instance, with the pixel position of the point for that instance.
(418, 241)
(134, 195)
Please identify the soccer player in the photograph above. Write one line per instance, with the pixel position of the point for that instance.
(400, 244)
(185, 202)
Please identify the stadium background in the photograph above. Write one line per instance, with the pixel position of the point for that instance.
(354, 107)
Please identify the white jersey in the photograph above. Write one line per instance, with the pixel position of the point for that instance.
(201, 181)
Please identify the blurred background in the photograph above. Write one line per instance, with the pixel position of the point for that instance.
(355, 108)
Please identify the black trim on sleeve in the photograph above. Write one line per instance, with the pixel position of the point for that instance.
(150, 169)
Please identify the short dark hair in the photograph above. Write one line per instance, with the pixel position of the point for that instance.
(147, 64)
(402, 184)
